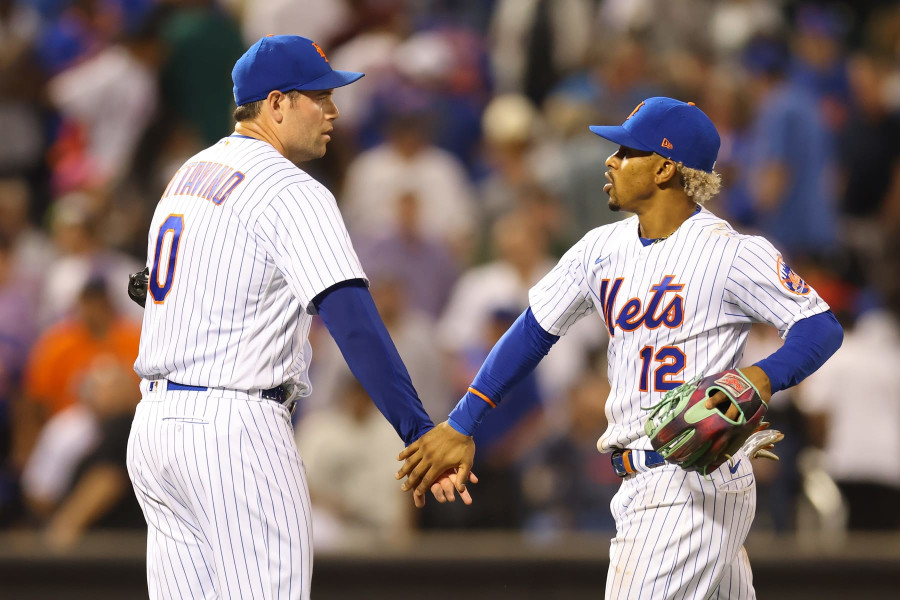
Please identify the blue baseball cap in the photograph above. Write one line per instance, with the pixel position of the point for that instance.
(284, 63)
(677, 130)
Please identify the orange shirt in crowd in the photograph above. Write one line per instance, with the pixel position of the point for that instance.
(64, 353)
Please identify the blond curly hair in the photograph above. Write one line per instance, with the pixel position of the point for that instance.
(699, 185)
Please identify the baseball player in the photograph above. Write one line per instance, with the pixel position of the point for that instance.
(244, 248)
(677, 289)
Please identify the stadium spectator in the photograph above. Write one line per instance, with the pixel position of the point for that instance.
(519, 246)
(420, 263)
(31, 252)
(855, 406)
(99, 495)
(20, 90)
(820, 63)
(537, 42)
(18, 329)
(511, 124)
(505, 434)
(790, 164)
(60, 358)
(566, 484)
(413, 332)
(107, 101)
(310, 18)
(201, 44)
(82, 255)
(349, 447)
(870, 155)
(440, 74)
(408, 163)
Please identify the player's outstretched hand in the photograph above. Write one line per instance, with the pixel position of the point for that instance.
(444, 490)
(432, 455)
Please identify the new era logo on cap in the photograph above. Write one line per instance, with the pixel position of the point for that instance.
(677, 130)
(284, 63)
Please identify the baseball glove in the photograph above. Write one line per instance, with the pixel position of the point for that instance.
(137, 286)
(696, 438)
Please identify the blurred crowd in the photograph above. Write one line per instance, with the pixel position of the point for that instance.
(464, 168)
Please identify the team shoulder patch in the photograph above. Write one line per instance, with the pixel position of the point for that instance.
(790, 280)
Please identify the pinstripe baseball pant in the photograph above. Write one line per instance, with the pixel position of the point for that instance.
(223, 490)
(680, 536)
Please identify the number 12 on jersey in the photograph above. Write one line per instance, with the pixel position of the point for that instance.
(671, 362)
(165, 257)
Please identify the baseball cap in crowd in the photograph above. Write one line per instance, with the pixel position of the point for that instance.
(766, 55)
(284, 63)
(677, 130)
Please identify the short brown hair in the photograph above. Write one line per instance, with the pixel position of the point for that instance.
(249, 111)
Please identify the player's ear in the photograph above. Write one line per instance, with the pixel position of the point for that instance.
(665, 172)
(277, 102)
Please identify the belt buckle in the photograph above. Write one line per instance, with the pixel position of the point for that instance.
(619, 463)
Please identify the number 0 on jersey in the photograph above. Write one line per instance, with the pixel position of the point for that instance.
(165, 257)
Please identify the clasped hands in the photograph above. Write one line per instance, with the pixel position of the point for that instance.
(440, 461)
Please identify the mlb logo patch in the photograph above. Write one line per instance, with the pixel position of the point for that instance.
(790, 280)
(734, 384)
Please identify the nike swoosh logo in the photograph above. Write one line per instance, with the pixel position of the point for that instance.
(735, 467)
(601, 259)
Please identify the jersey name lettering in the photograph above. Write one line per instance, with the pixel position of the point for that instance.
(207, 180)
(631, 316)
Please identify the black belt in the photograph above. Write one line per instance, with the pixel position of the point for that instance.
(279, 394)
(625, 461)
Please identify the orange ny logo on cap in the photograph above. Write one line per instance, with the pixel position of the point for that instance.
(320, 51)
(667, 144)
(636, 108)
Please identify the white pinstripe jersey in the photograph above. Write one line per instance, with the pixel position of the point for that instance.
(240, 243)
(677, 308)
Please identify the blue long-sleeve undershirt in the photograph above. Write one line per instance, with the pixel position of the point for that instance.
(513, 357)
(353, 321)
(809, 343)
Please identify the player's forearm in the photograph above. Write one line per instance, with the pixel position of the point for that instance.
(809, 343)
(99, 490)
(350, 315)
(28, 417)
(513, 357)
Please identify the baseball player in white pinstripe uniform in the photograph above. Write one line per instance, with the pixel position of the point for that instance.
(677, 290)
(244, 248)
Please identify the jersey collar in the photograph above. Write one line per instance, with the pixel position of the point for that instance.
(647, 241)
